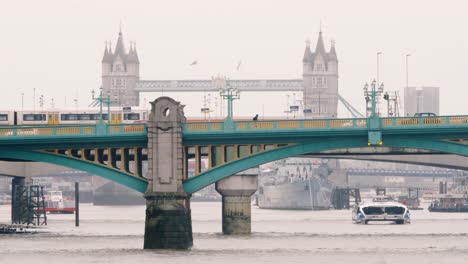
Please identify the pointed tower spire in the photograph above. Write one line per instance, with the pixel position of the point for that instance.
(106, 58)
(320, 48)
(132, 54)
(307, 53)
(332, 54)
(119, 47)
(135, 53)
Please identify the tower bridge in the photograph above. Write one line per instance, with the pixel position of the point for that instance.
(122, 84)
(168, 141)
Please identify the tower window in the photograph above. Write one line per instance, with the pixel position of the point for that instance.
(118, 67)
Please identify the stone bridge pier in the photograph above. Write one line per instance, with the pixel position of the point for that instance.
(168, 222)
(236, 191)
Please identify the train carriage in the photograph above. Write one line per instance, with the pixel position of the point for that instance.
(118, 115)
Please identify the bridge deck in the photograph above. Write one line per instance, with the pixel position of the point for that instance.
(410, 125)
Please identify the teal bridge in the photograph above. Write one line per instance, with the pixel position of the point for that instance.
(117, 152)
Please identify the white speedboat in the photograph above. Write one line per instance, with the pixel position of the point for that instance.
(381, 209)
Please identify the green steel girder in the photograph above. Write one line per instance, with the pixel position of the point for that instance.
(218, 173)
(135, 183)
(68, 142)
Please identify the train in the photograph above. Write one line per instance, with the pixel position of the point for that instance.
(55, 116)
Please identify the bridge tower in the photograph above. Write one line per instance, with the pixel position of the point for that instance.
(168, 217)
(120, 72)
(320, 76)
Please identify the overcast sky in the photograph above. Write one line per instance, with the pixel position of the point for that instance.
(57, 46)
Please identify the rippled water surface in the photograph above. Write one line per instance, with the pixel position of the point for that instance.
(115, 235)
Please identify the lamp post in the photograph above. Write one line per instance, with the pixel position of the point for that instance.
(34, 99)
(407, 56)
(373, 121)
(230, 94)
(378, 54)
(102, 100)
(372, 94)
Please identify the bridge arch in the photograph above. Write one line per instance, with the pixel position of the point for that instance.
(135, 183)
(218, 173)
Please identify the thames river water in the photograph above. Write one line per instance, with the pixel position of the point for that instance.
(115, 235)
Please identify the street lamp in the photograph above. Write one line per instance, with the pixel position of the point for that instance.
(407, 56)
(34, 99)
(372, 95)
(378, 54)
(230, 94)
(102, 100)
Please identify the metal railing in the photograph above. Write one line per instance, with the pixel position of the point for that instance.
(71, 130)
(435, 121)
(349, 123)
(242, 125)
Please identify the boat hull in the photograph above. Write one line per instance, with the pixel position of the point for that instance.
(311, 194)
(449, 210)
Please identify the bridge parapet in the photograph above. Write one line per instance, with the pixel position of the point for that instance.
(8, 132)
(321, 124)
(242, 125)
(438, 121)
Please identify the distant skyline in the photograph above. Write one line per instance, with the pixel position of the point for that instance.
(57, 46)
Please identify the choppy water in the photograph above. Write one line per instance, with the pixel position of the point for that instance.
(115, 235)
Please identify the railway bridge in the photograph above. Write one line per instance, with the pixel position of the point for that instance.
(168, 141)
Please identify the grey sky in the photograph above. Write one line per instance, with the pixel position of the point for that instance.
(57, 46)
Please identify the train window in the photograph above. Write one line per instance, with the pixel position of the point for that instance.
(84, 117)
(131, 116)
(67, 117)
(34, 117)
(105, 117)
(4, 117)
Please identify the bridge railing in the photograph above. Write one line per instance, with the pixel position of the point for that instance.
(349, 123)
(243, 125)
(70, 130)
(424, 121)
